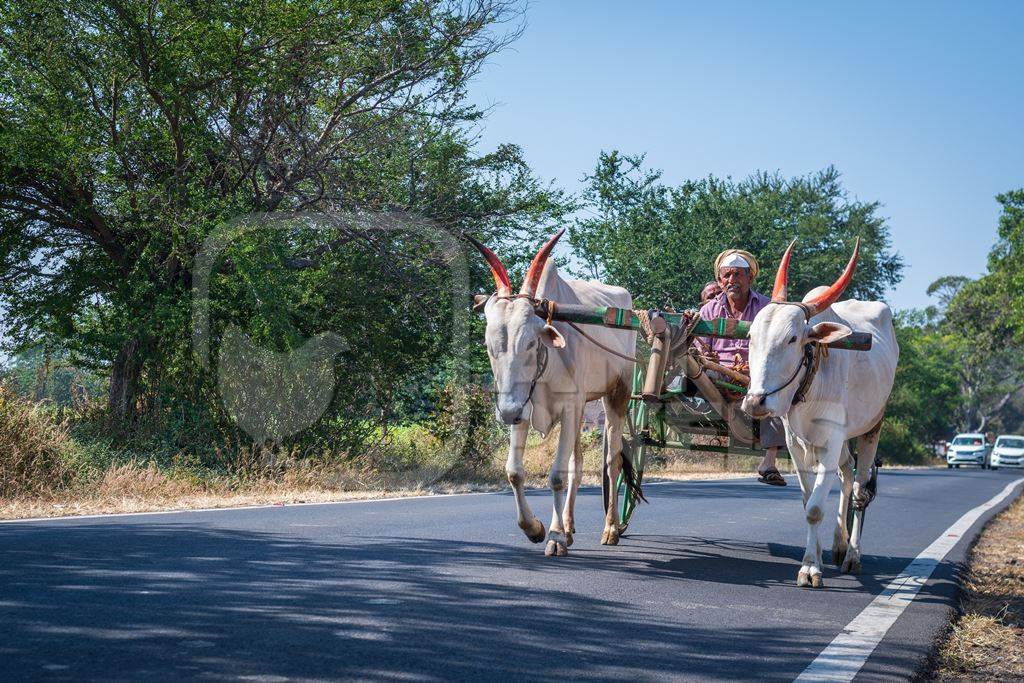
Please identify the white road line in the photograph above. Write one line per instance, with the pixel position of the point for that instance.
(845, 655)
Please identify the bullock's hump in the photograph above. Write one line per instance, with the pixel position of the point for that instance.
(597, 293)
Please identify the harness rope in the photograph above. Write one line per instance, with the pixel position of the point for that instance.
(542, 365)
(551, 306)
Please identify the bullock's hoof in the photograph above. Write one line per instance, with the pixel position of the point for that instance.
(838, 555)
(809, 577)
(535, 532)
(851, 565)
(610, 536)
(556, 549)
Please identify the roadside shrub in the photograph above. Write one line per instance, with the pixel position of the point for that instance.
(36, 452)
(463, 421)
(898, 445)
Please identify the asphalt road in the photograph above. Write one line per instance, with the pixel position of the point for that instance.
(703, 586)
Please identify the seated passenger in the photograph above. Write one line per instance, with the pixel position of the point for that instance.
(710, 291)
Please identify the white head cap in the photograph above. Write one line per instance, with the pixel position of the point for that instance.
(734, 261)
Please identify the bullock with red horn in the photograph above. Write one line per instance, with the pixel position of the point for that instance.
(544, 374)
(824, 400)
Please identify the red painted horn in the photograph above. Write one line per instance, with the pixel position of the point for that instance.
(532, 278)
(780, 291)
(501, 281)
(832, 294)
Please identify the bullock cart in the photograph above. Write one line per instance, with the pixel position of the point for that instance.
(679, 399)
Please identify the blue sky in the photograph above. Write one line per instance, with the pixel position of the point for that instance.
(919, 105)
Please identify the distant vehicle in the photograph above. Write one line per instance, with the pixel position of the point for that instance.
(1008, 452)
(968, 449)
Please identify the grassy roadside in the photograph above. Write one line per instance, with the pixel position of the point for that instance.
(54, 465)
(130, 485)
(58, 462)
(986, 641)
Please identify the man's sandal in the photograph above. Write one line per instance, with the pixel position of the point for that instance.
(771, 476)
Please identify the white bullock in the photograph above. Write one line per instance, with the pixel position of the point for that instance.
(844, 399)
(544, 374)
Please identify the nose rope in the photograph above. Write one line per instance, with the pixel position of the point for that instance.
(810, 360)
(542, 364)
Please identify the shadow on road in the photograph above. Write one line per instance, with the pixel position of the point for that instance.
(125, 601)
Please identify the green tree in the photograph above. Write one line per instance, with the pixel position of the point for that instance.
(926, 393)
(38, 374)
(129, 130)
(660, 242)
(989, 358)
(1006, 260)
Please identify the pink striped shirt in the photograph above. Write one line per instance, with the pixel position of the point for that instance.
(719, 308)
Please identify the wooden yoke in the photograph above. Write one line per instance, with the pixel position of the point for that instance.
(661, 349)
(626, 319)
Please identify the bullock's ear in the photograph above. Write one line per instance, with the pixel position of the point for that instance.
(826, 333)
(549, 336)
(479, 301)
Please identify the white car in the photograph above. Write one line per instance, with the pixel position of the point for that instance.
(968, 449)
(1008, 451)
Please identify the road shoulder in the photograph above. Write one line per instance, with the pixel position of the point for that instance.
(985, 640)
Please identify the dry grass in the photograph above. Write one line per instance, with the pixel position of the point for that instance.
(62, 506)
(35, 451)
(987, 641)
(47, 474)
(144, 487)
(136, 486)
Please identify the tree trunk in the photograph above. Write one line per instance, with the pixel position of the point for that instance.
(124, 381)
(983, 420)
(42, 374)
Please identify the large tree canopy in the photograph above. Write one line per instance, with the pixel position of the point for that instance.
(982, 324)
(660, 241)
(130, 130)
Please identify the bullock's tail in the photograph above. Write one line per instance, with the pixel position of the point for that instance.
(629, 474)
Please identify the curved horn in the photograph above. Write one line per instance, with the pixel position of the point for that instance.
(780, 291)
(501, 281)
(832, 294)
(532, 278)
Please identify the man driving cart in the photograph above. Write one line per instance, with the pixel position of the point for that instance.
(735, 270)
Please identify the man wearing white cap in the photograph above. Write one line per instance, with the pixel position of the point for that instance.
(735, 270)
